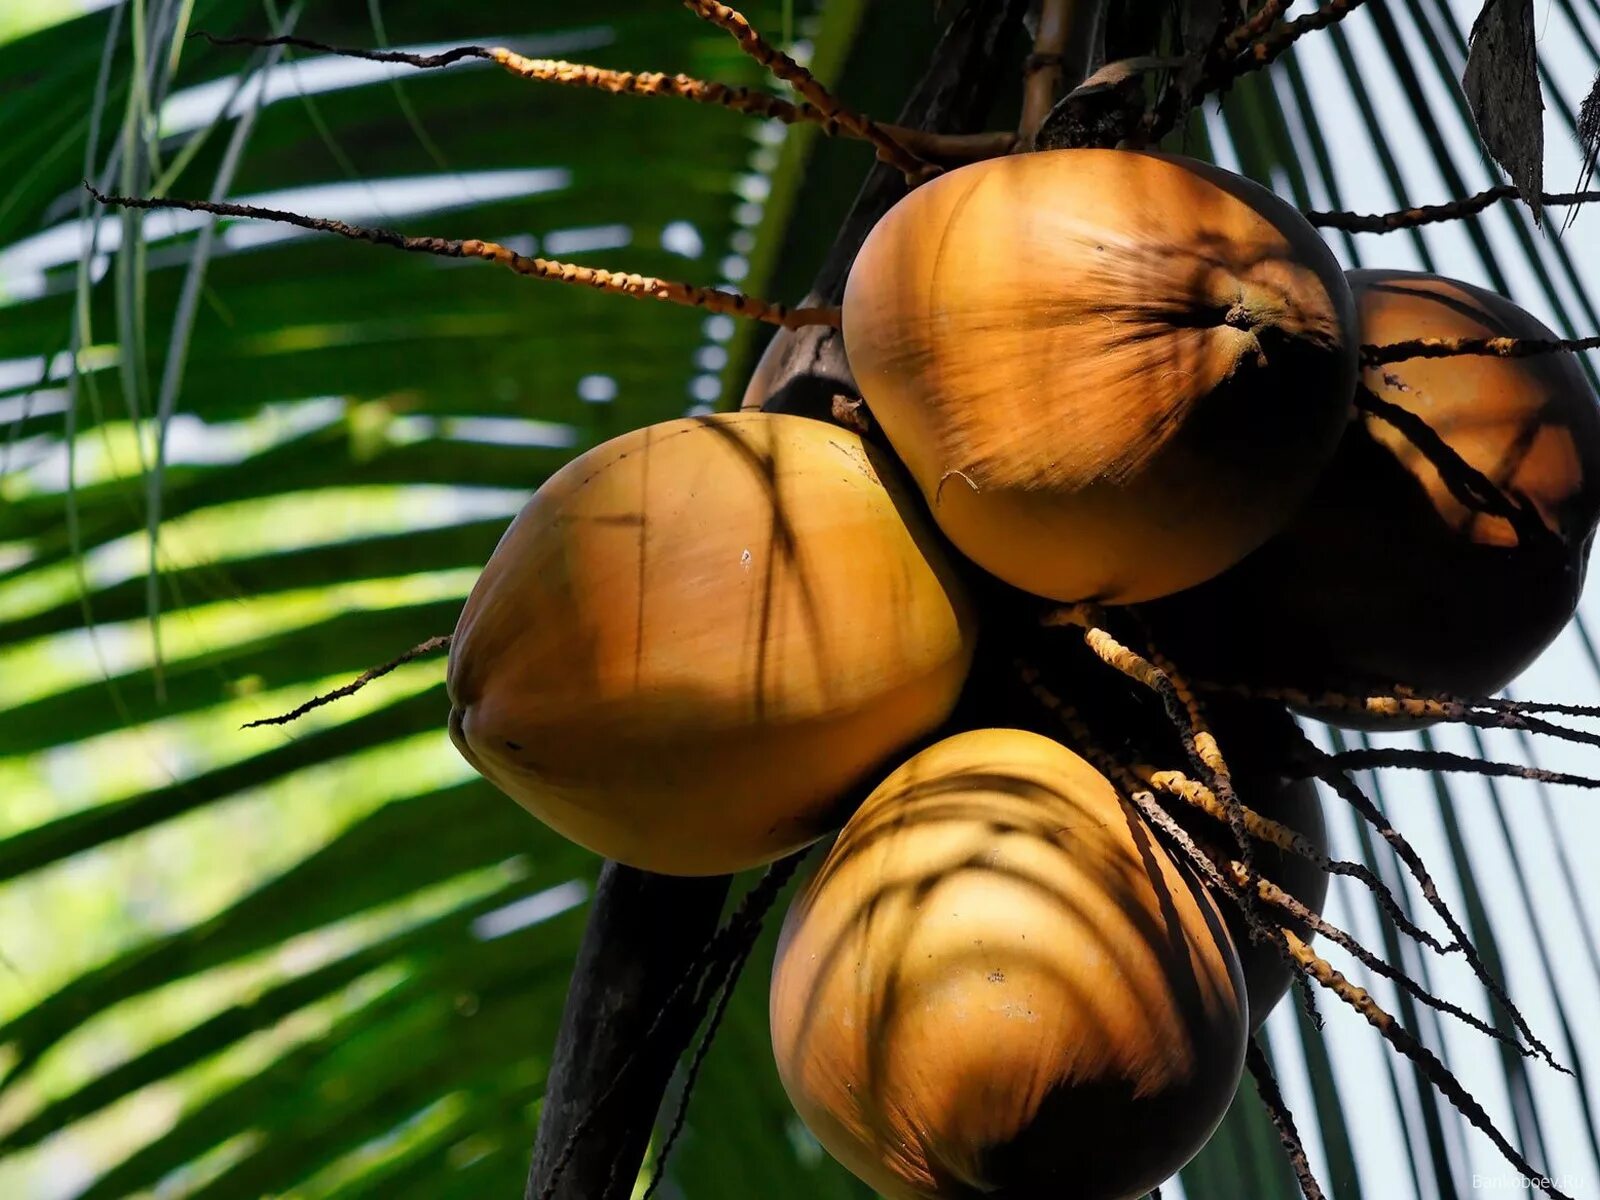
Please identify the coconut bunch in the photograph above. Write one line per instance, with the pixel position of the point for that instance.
(1103, 379)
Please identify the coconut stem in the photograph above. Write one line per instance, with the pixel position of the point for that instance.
(630, 955)
(624, 283)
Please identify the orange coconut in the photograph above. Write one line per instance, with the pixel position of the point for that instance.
(999, 983)
(1113, 374)
(698, 635)
(1446, 545)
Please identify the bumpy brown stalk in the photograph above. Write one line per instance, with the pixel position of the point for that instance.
(1130, 784)
(421, 650)
(1404, 704)
(1492, 347)
(945, 149)
(623, 283)
(657, 83)
(1199, 796)
(1427, 214)
(1400, 758)
(1275, 41)
(1282, 1119)
(1246, 900)
(1197, 742)
(1247, 31)
(555, 70)
(810, 88)
(1402, 1040)
(1271, 894)
(1350, 791)
(1205, 741)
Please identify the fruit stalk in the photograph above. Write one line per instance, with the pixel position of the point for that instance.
(643, 929)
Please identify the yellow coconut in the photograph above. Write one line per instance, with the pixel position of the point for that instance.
(1446, 545)
(697, 636)
(999, 983)
(1113, 374)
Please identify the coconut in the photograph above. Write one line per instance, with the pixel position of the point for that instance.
(999, 983)
(1447, 543)
(1112, 374)
(698, 636)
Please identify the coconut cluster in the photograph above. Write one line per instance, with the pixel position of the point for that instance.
(1098, 375)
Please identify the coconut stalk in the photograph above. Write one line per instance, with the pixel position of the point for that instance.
(644, 928)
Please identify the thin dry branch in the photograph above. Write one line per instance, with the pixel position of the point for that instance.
(1553, 707)
(1275, 896)
(1245, 899)
(623, 283)
(555, 70)
(1275, 41)
(1399, 758)
(1403, 704)
(1402, 1040)
(1235, 56)
(421, 650)
(1309, 965)
(1492, 347)
(1207, 864)
(944, 149)
(1199, 796)
(809, 86)
(1282, 1119)
(1427, 214)
(1252, 28)
(1350, 791)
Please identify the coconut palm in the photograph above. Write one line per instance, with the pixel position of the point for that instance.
(245, 462)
